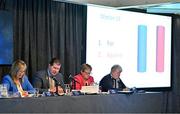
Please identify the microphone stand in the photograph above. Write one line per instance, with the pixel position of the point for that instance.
(73, 81)
(57, 89)
(56, 84)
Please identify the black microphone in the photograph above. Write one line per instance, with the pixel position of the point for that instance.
(72, 78)
(57, 83)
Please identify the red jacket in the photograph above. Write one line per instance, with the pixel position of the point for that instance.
(81, 82)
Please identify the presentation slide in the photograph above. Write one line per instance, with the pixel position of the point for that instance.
(139, 42)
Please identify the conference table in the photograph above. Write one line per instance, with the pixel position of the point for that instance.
(103, 103)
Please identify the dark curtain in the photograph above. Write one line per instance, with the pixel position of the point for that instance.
(173, 100)
(44, 29)
(176, 54)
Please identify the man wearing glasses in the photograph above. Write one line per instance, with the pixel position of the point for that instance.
(112, 80)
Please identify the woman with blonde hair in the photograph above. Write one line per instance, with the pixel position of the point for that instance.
(84, 78)
(17, 81)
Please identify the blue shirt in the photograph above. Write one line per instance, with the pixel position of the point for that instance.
(11, 86)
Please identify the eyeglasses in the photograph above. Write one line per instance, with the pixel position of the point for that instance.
(87, 72)
(23, 71)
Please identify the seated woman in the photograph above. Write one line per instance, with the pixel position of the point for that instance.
(83, 78)
(17, 81)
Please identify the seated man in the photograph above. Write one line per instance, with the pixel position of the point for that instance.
(83, 78)
(50, 80)
(112, 80)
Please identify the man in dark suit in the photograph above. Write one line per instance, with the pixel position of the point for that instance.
(112, 81)
(50, 79)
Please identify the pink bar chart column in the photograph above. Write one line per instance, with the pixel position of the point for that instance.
(160, 49)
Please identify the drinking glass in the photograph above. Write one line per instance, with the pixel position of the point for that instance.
(3, 90)
(68, 89)
(36, 93)
(100, 89)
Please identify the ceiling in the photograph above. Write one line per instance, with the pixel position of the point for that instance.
(152, 6)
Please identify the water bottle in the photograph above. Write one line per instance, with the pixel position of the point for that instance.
(3, 91)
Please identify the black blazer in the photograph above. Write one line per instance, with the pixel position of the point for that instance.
(41, 80)
(106, 83)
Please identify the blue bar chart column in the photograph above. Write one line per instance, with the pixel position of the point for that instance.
(142, 48)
